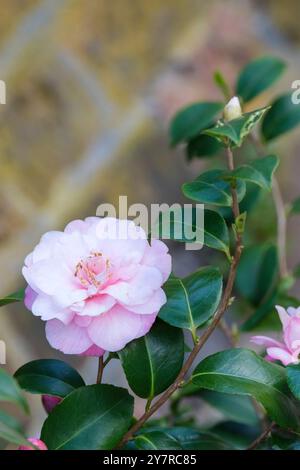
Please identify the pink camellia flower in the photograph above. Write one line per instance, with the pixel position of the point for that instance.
(288, 351)
(40, 445)
(50, 402)
(97, 284)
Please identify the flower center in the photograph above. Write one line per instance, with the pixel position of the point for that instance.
(93, 271)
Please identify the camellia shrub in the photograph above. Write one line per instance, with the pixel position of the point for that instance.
(117, 299)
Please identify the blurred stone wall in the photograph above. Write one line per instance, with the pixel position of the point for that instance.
(91, 86)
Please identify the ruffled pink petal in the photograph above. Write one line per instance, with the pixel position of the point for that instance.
(291, 333)
(139, 289)
(283, 315)
(153, 305)
(281, 355)
(293, 312)
(46, 308)
(97, 305)
(121, 240)
(75, 226)
(93, 351)
(266, 341)
(30, 296)
(70, 339)
(82, 321)
(117, 327)
(157, 255)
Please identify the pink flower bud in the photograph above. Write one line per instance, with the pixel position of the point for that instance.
(40, 445)
(50, 402)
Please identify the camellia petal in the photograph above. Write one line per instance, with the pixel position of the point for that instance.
(70, 339)
(114, 329)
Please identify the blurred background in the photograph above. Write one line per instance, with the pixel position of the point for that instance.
(91, 86)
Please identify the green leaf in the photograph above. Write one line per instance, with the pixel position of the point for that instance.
(257, 76)
(236, 435)
(10, 391)
(90, 418)
(49, 377)
(216, 234)
(177, 438)
(253, 194)
(293, 379)
(236, 130)
(242, 372)
(156, 440)
(257, 272)
(210, 188)
(202, 146)
(295, 206)
(259, 172)
(236, 408)
(183, 225)
(15, 297)
(193, 299)
(152, 363)
(11, 430)
(281, 118)
(189, 121)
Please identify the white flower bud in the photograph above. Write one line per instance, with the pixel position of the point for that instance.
(232, 109)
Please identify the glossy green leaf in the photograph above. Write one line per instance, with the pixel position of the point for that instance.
(211, 188)
(15, 297)
(189, 121)
(238, 408)
(252, 197)
(178, 438)
(259, 172)
(216, 234)
(202, 146)
(293, 379)
(257, 76)
(90, 418)
(207, 225)
(242, 372)
(152, 363)
(10, 391)
(49, 377)
(257, 272)
(156, 440)
(283, 116)
(11, 430)
(237, 130)
(192, 300)
(237, 436)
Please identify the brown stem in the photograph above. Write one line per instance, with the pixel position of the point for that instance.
(262, 437)
(100, 370)
(204, 337)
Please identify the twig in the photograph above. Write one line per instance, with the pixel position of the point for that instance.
(100, 370)
(202, 340)
(262, 437)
